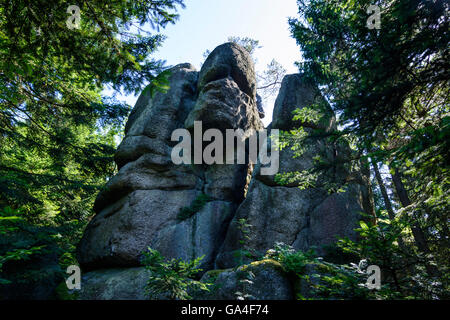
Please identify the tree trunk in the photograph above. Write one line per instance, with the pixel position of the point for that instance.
(418, 234)
(387, 201)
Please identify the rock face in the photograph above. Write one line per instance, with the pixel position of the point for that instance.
(260, 106)
(302, 217)
(140, 206)
(269, 282)
(230, 60)
(114, 284)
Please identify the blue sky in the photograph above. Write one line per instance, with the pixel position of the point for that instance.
(205, 24)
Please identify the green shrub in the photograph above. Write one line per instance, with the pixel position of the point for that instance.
(172, 277)
(323, 280)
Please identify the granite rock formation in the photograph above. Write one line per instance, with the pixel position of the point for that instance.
(140, 206)
(270, 283)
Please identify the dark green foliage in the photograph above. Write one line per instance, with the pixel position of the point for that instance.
(382, 68)
(403, 269)
(196, 206)
(390, 89)
(57, 132)
(172, 277)
(318, 279)
(342, 281)
(292, 261)
(402, 276)
(245, 279)
(62, 292)
(29, 265)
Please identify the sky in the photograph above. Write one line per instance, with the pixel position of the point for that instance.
(205, 24)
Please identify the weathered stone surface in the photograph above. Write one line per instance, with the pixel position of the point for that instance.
(337, 215)
(269, 283)
(147, 143)
(157, 117)
(230, 60)
(307, 217)
(223, 105)
(200, 235)
(277, 214)
(139, 206)
(227, 91)
(295, 93)
(114, 284)
(148, 192)
(133, 147)
(226, 182)
(119, 234)
(149, 172)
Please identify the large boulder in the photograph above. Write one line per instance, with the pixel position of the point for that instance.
(119, 234)
(113, 284)
(295, 93)
(201, 235)
(230, 60)
(260, 280)
(149, 190)
(144, 155)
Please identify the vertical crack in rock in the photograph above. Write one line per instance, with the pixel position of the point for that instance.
(302, 218)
